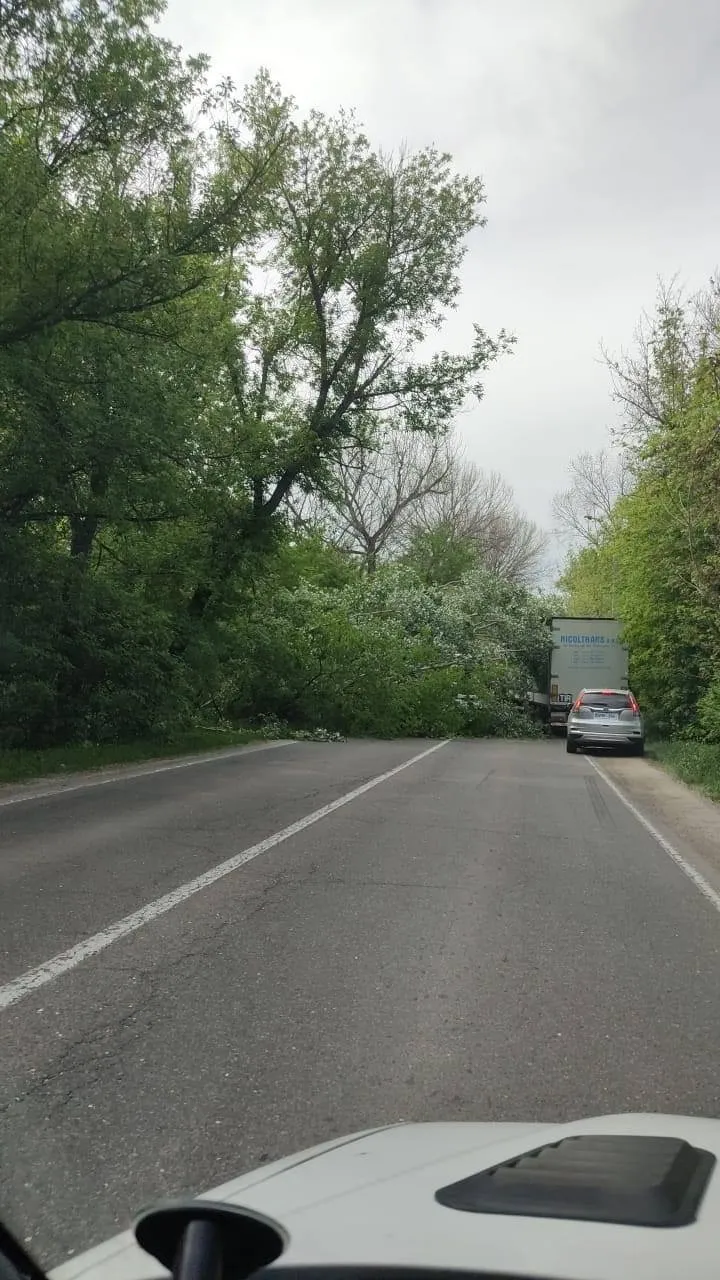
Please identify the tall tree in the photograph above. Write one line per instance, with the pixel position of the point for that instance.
(117, 218)
(206, 301)
(358, 268)
(658, 551)
(112, 203)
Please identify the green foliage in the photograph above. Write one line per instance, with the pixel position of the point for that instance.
(112, 204)
(307, 558)
(386, 655)
(440, 556)
(589, 583)
(81, 656)
(205, 299)
(709, 711)
(22, 765)
(657, 562)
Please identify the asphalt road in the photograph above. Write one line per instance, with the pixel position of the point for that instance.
(488, 933)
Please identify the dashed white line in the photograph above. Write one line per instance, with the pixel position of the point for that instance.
(686, 867)
(221, 754)
(32, 979)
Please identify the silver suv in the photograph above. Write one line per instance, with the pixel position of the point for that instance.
(606, 718)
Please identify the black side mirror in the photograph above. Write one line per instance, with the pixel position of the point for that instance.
(201, 1240)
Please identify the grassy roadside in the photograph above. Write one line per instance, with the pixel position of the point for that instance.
(20, 766)
(696, 763)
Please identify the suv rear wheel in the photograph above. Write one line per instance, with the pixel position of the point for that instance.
(571, 747)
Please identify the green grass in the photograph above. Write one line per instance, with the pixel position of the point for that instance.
(697, 763)
(19, 766)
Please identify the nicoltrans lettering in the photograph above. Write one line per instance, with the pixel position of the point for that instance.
(586, 640)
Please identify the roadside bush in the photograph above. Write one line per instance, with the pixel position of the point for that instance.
(709, 712)
(697, 763)
(85, 661)
(92, 659)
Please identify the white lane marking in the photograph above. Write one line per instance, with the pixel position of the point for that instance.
(689, 870)
(70, 959)
(220, 754)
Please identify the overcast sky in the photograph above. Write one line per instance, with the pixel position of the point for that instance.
(594, 126)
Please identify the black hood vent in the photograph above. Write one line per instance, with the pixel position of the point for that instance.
(630, 1180)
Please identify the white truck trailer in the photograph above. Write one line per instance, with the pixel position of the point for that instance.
(586, 654)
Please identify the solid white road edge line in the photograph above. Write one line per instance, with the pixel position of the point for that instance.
(220, 754)
(29, 981)
(686, 867)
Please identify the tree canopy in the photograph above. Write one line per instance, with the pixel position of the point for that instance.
(656, 558)
(210, 306)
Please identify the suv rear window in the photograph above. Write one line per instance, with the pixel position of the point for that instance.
(613, 701)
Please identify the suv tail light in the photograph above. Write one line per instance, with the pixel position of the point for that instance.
(633, 705)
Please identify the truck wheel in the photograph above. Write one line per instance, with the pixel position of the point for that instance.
(570, 747)
(639, 749)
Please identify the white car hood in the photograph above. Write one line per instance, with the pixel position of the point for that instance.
(369, 1199)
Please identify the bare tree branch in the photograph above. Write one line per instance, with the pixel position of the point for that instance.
(478, 507)
(372, 492)
(379, 500)
(653, 382)
(596, 483)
